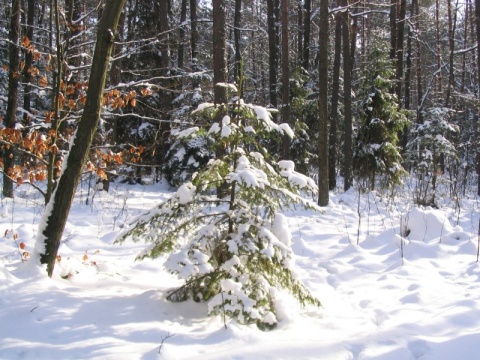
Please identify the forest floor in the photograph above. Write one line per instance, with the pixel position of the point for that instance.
(384, 296)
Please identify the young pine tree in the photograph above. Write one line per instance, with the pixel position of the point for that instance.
(234, 252)
(376, 153)
(430, 148)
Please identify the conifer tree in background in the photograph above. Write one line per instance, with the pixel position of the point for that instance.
(430, 143)
(376, 151)
(235, 251)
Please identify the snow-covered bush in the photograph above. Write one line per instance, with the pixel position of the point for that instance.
(234, 252)
(185, 155)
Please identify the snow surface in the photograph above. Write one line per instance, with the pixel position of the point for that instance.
(376, 303)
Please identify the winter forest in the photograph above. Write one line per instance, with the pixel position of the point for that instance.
(237, 179)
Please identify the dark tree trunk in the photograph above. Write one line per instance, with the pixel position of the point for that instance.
(272, 52)
(194, 40)
(58, 78)
(332, 153)
(181, 34)
(57, 210)
(452, 19)
(285, 76)
(12, 101)
(299, 32)
(393, 28)
(477, 21)
(408, 75)
(323, 177)
(27, 75)
(347, 71)
(219, 51)
(238, 69)
(163, 27)
(116, 67)
(399, 48)
(438, 78)
(418, 64)
(306, 34)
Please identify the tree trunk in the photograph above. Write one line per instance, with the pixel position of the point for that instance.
(477, 21)
(393, 28)
(163, 27)
(116, 67)
(236, 34)
(306, 34)
(58, 76)
(347, 99)
(181, 34)
(323, 177)
(57, 210)
(399, 49)
(418, 64)
(12, 101)
(332, 154)
(438, 78)
(285, 76)
(408, 75)
(27, 75)
(272, 52)
(194, 40)
(452, 19)
(299, 32)
(219, 51)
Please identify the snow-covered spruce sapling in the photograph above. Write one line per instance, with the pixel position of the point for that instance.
(234, 252)
(376, 153)
(429, 147)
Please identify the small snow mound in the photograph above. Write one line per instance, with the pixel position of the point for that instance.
(420, 250)
(425, 225)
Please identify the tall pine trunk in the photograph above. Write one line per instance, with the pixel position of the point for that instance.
(347, 99)
(477, 21)
(285, 75)
(399, 49)
(194, 41)
(418, 63)
(27, 75)
(272, 52)
(12, 101)
(181, 35)
(306, 34)
(323, 177)
(332, 153)
(236, 34)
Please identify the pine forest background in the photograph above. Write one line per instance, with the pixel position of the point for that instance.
(375, 90)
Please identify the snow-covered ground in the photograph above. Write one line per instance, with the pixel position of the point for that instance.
(384, 296)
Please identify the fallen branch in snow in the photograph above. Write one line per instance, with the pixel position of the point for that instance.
(168, 336)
